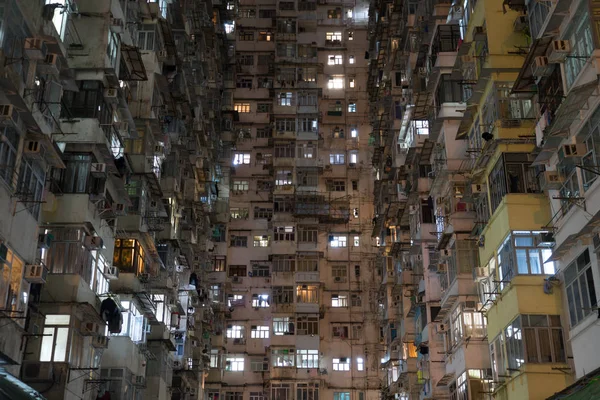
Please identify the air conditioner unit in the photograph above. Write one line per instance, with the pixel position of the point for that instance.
(541, 66)
(33, 149)
(119, 208)
(412, 209)
(442, 328)
(110, 95)
(111, 272)
(10, 113)
(98, 170)
(553, 180)
(574, 150)
(36, 273)
(477, 188)
(442, 267)
(49, 65)
(35, 49)
(162, 54)
(100, 342)
(337, 279)
(560, 51)
(117, 25)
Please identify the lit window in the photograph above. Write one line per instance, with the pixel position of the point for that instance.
(242, 107)
(285, 99)
(235, 331)
(234, 364)
(341, 364)
(235, 300)
(333, 37)
(283, 357)
(351, 59)
(241, 186)
(283, 326)
(350, 35)
(335, 59)
(341, 395)
(260, 300)
(351, 107)
(356, 241)
(339, 300)
(349, 13)
(353, 157)
(307, 358)
(354, 133)
(307, 294)
(261, 241)
(335, 82)
(259, 332)
(338, 241)
(241, 158)
(55, 339)
(360, 363)
(337, 158)
(351, 82)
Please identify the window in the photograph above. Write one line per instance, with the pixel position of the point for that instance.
(241, 158)
(307, 234)
(339, 300)
(56, 337)
(335, 82)
(352, 82)
(214, 292)
(259, 332)
(234, 364)
(260, 270)
(264, 186)
(307, 74)
(283, 205)
(242, 107)
(284, 263)
(336, 186)
(284, 233)
(285, 99)
(8, 154)
(245, 59)
(309, 124)
(360, 364)
(238, 213)
(283, 357)
(341, 364)
(333, 38)
(247, 13)
(244, 83)
(214, 363)
(260, 300)
(308, 99)
(336, 59)
(353, 157)
(356, 241)
(287, 6)
(338, 240)
(235, 331)
(286, 50)
(261, 241)
(307, 391)
(265, 36)
(340, 331)
(334, 13)
(308, 263)
(245, 36)
(235, 300)
(519, 254)
(129, 256)
(307, 294)
(307, 324)
(263, 213)
(357, 331)
(134, 322)
(283, 326)
(263, 108)
(283, 177)
(234, 395)
(307, 358)
(241, 186)
(337, 158)
(236, 270)
(351, 60)
(285, 125)
(238, 241)
(355, 300)
(258, 365)
(512, 173)
(466, 323)
(580, 34)
(351, 107)
(283, 294)
(580, 289)
(284, 150)
(339, 272)
(281, 391)
(341, 395)
(307, 177)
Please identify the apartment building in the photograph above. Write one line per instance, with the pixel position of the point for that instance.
(483, 118)
(109, 186)
(293, 266)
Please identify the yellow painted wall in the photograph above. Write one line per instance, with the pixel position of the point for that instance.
(537, 382)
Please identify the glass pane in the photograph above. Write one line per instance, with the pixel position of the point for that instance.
(57, 319)
(531, 345)
(47, 345)
(534, 261)
(524, 241)
(522, 261)
(545, 348)
(559, 345)
(584, 295)
(60, 348)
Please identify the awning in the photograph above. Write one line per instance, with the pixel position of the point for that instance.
(589, 229)
(14, 389)
(167, 35)
(550, 145)
(466, 122)
(421, 106)
(569, 109)
(134, 64)
(426, 152)
(526, 80)
(586, 388)
(445, 380)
